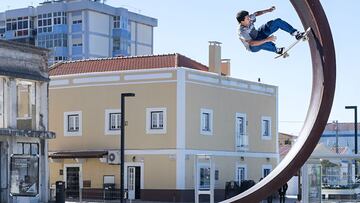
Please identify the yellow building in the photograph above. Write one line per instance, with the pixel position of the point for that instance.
(187, 124)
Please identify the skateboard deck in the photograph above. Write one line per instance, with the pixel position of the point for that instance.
(304, 38)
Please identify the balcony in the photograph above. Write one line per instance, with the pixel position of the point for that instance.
(77, 50)
(76, 28)
(63, 28)
(242, 142)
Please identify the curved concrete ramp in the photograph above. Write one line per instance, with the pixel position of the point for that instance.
(322, 50)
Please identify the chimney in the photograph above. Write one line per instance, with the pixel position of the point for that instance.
(225, 67)
(215, 57)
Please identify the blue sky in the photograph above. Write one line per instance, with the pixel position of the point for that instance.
(186, 26)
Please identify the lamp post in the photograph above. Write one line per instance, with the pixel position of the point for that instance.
(356, 136)
(337, 135)
(122, 143)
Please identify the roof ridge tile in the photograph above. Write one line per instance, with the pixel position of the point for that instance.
(124, 63)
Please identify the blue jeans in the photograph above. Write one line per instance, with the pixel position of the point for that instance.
(266, 30)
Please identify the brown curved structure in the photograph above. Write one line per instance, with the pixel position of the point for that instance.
(322, 50)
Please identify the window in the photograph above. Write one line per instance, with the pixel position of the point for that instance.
(242, 141)
(266, 169)
(116, 43)
(120, 44)
(25, 169)
(116, 21)
(206, 123)
(156, 120)
(266, 128)
(205, 175)
(52, 40)
(59, 18)
(72, 123)
(19, 25)
(77, 41)
(27, 148)
(287, 142)
(241, 173)
(112, 121)
(77, 44)
(60, 58)
(45, 23)
(77, 22)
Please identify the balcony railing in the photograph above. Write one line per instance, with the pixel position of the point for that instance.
(242, 142)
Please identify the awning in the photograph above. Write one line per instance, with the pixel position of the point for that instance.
(78, 154)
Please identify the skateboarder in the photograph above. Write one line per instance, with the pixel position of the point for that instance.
(262, 38)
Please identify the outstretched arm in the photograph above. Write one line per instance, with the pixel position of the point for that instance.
(258, 13)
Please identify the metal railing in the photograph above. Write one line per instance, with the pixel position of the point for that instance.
(88, 194)
(242, 142)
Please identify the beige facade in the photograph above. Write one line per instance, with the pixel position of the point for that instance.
(190, 101)
(286, 139)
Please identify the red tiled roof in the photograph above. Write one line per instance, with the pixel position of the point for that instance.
(284, 150)
(341, 150)
(341, 126)
(124, 63)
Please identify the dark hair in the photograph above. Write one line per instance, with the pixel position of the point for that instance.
(240, 16)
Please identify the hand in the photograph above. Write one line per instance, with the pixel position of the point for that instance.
(272, 38)
(272, 8)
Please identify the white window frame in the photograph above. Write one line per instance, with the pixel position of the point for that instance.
(107, 122)
(244, 129)
(265, 166)
(236, 172)
(211, 115)
(265, 118)
(69, 133)
(149, 130)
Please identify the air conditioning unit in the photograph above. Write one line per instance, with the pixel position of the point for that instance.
(113, 157)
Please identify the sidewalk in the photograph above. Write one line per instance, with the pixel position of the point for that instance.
(288, 200)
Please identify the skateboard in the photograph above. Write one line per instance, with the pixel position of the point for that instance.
(286, 51)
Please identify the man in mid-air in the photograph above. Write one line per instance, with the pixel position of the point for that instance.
(262, 39)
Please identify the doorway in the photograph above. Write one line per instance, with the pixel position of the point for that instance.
(133, 182)
(72, 179)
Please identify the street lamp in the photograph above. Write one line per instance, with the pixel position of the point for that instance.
(122, 142)
(356, 136)
(336, 126)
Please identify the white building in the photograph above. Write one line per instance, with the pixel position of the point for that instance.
(23, 123)
(80, 29)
